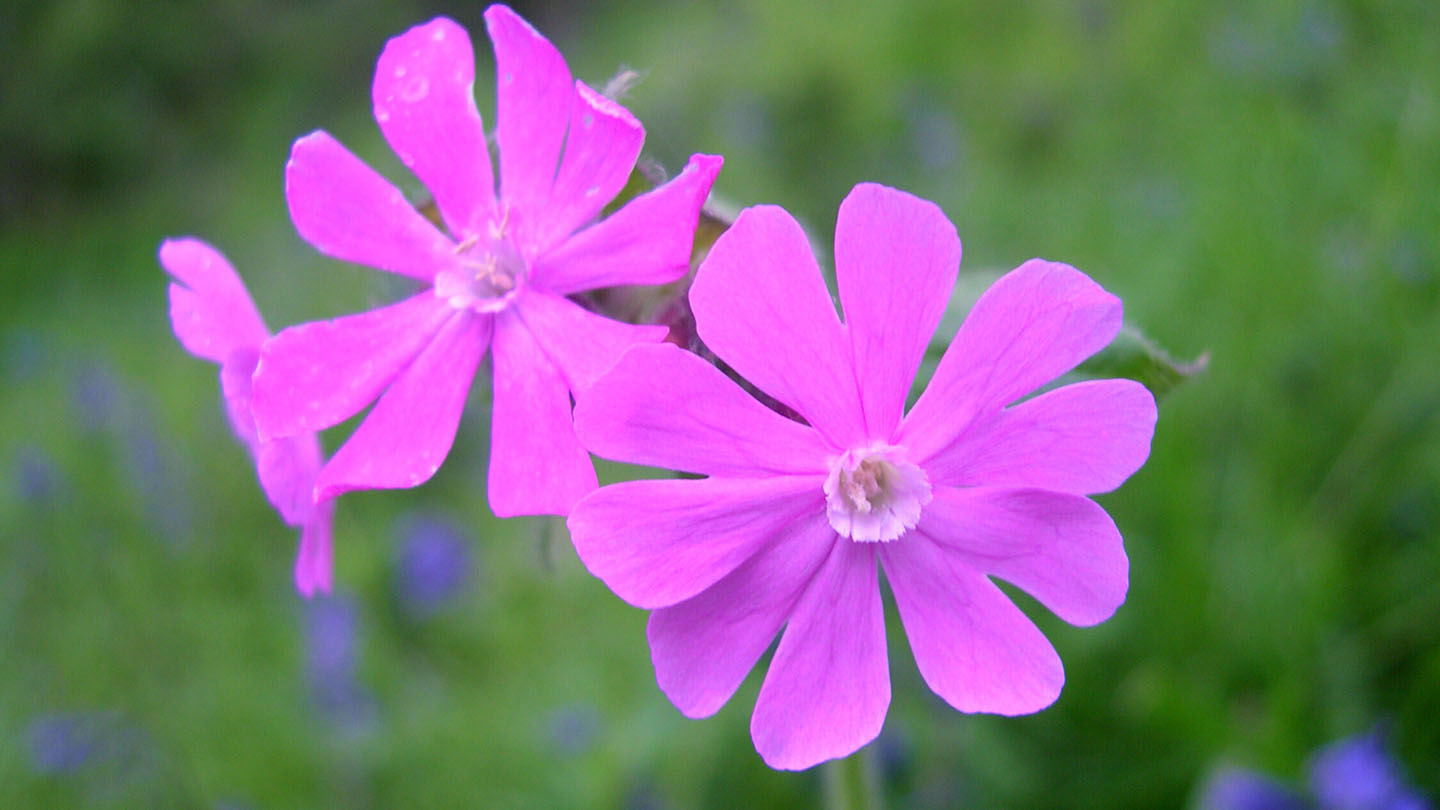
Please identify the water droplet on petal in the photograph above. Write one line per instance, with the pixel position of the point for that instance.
(592, 191)
(382, 115)
(588, 121)
(399, 71)
(438, 35)
(509, 78)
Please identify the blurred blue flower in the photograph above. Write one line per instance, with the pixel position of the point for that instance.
(36, 479)
(573, 728)
(108, 757)
(105, 404)
(332, 644)
(61, 743)
(98, 398)
(434, 564)
(1358, 773)
(1232, 788)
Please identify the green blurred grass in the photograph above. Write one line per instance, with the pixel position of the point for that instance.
(1255, 180)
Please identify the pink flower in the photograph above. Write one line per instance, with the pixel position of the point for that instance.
(793, 519)
(214, 319)
(496, 278)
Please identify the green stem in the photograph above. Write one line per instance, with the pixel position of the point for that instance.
(852, 783)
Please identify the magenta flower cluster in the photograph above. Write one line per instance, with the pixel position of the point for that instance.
(796, 513)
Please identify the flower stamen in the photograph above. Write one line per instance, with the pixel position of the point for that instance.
(874, 495)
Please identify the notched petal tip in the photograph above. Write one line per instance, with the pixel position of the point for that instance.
(605, 105)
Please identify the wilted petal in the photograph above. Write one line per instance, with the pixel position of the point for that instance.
(896, 260)
(656, 543)
(314, 564)
(1061, 549)
(406, 436)
(210, 311)
(1083, 438)
(828, 687)
(537, 466)
(665, 407)
(1037, 322)
(424, 95)
(648, 241)
(582, 344)
(761, 304)
(533, 92)
(603, 143)
(347, 211)
(319, 374)
(974, 648)
(703, 647)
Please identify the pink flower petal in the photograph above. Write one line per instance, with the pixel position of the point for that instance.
(424, 95)
(533, 93)
(761, 304)
(665, 407)
(602, 147)
(1083, 438)
(406, 436)
(648, 241)
(582, 344)
(537, 466)
(974, 648)
(210, 311)
(896, 260)
(287, 468)
(347, 211)
(703, 647)
(828, 687)
(1062, 549)
(656, 543)
(236, 375)
(314, 563)
(1037, 322)
(319, 374)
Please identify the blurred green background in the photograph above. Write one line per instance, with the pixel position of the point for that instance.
(1256, 180)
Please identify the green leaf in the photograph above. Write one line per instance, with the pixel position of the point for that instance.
(1133, 356)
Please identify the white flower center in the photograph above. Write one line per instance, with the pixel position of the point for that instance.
(487, 273)
(874, 495)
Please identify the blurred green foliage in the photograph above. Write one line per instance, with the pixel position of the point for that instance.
(1256, 180)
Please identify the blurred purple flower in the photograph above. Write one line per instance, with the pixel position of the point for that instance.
(434, 564)
(98, 398)
(1232, 788)
(107, 407)
(61, 743)
(35, 478)
(332, 643)
(1358, 773)
(112, 761)
(573, 728)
